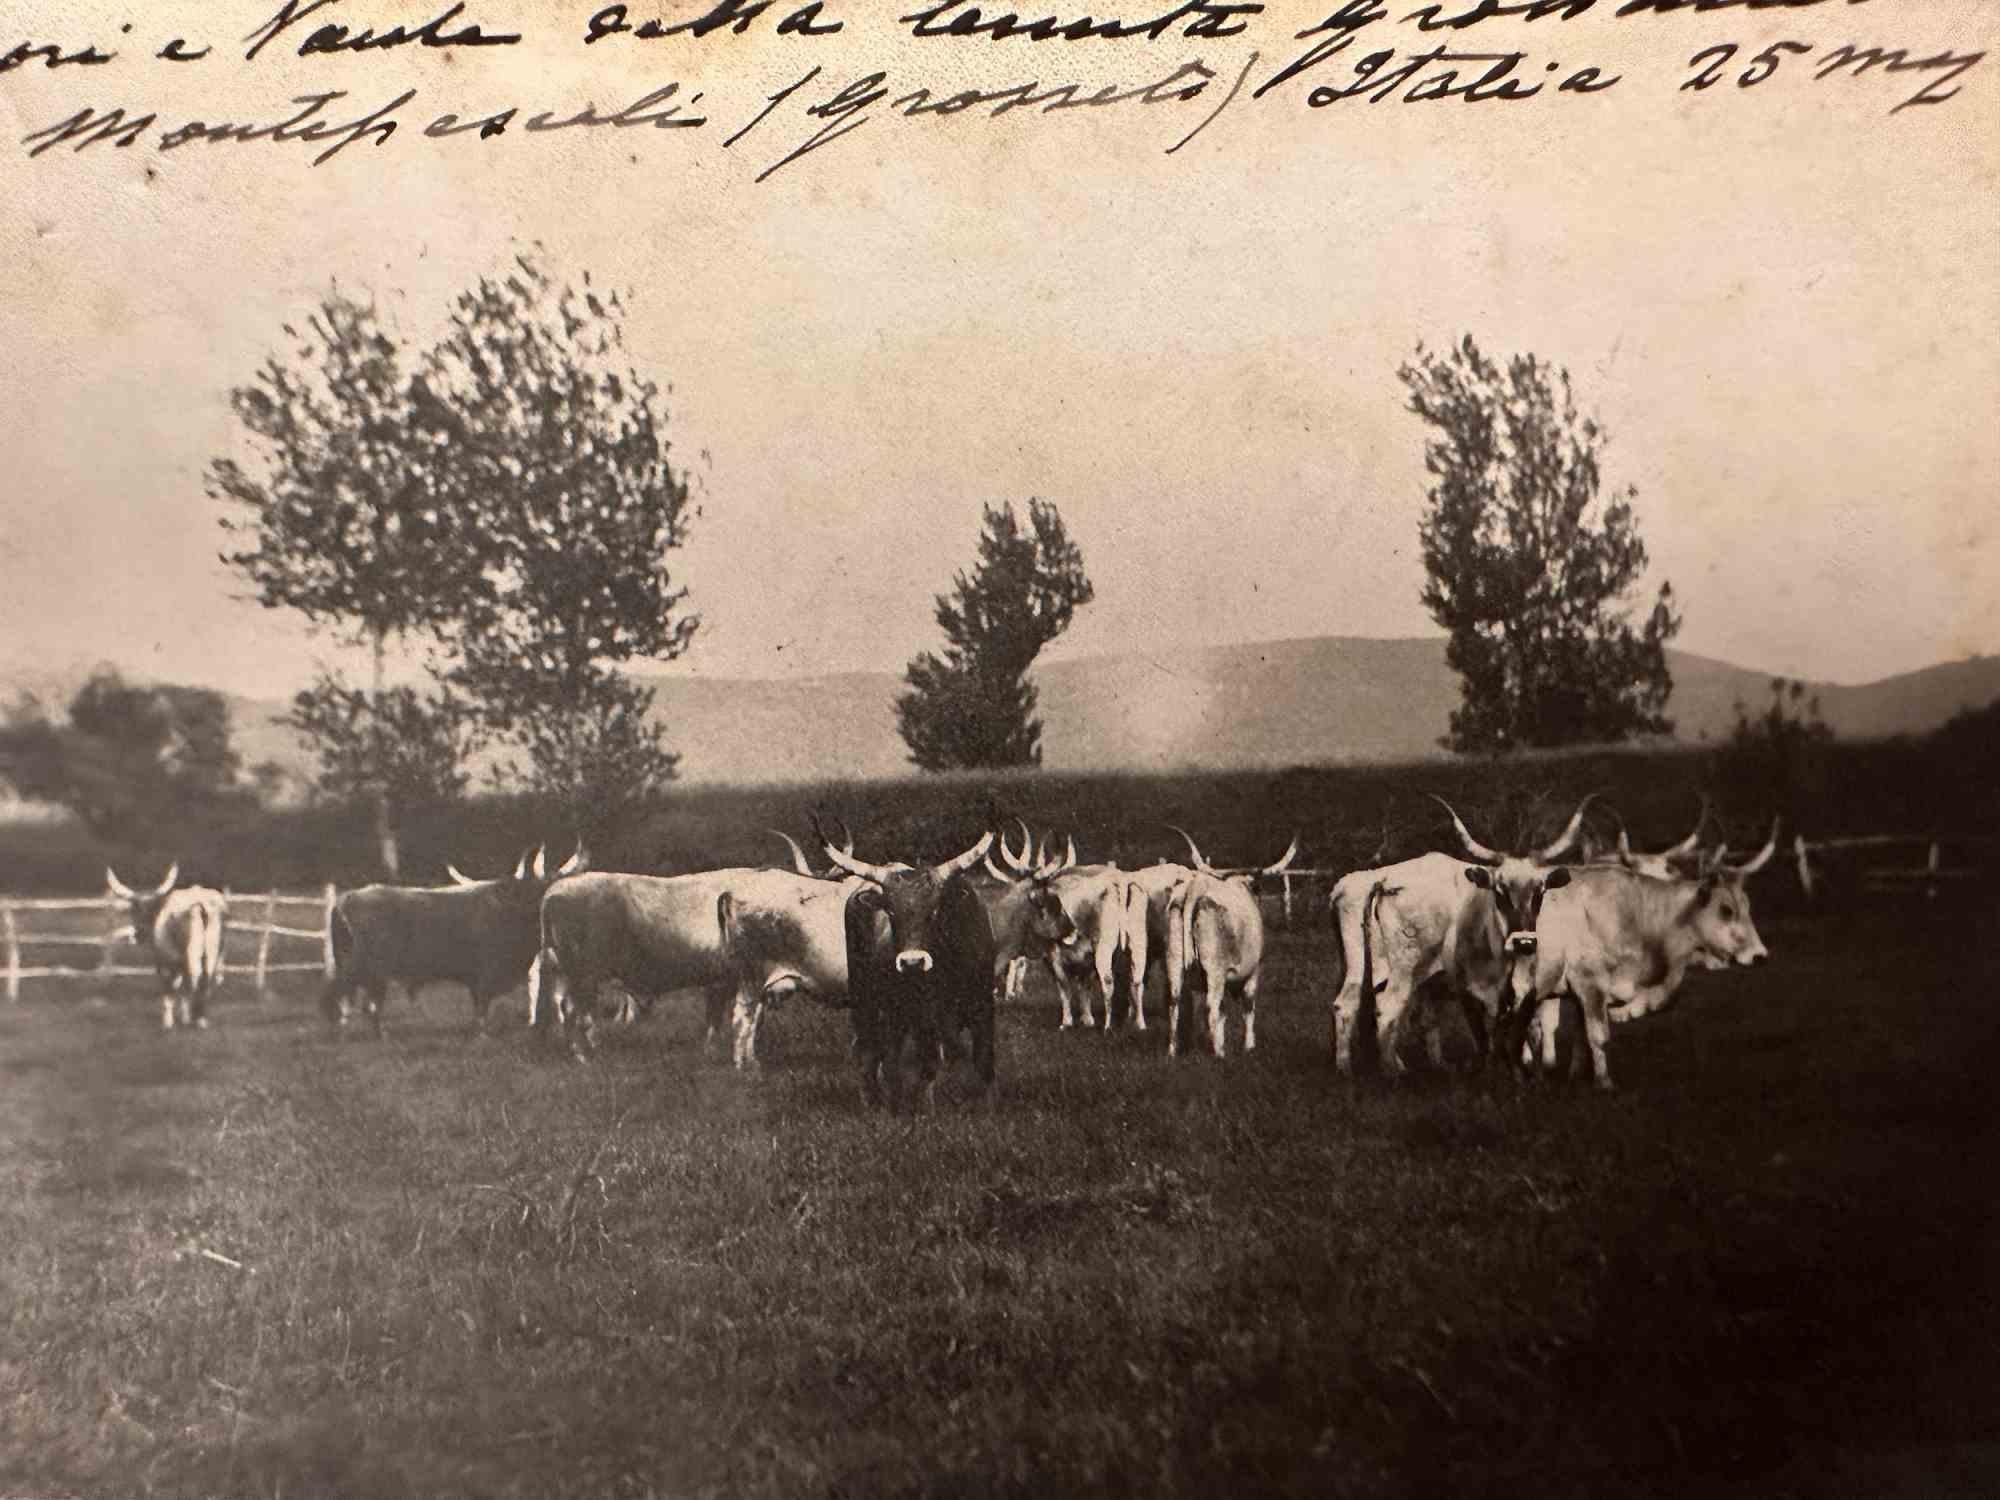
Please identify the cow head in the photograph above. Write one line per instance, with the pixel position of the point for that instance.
(1720, 916)
(1032, 873)
(1517, 882)
(911, 896)
(145, 905)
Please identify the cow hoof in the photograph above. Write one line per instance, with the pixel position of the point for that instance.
(1606, 1086)
(202, 1024)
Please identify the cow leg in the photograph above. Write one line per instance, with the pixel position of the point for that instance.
(1215, 984)
(746, 1013)
(1250, 1013)
(1597, 1031)
(981, 1024)
(167, 1012)
(198, 1004)
(1136, 960)
(1062, 986)
(1107, 980)
(375, 1000)
(1176, 983)
(927, 1058)
(1391, 1005)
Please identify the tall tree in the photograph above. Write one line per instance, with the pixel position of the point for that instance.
(558, 461)
(134, 762)
(974, 706)
(1528, 571)
(346, 524)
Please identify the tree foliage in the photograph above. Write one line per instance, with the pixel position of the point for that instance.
(413, 747)
(974, 706)
(503, 501)
(558, 460)
(343, 520)
(133, 762)
(1528, 571)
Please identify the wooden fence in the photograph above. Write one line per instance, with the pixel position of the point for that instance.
(1928, 876)
(252, 913)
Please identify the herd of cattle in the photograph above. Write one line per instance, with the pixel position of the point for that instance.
(1529, 947)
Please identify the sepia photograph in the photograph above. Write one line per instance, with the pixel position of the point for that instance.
(808, 748)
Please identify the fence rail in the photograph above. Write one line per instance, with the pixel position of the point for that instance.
(118, 932)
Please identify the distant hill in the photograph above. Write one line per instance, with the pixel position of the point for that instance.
(1330, 698)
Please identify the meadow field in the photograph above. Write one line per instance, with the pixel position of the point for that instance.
(270, 1261)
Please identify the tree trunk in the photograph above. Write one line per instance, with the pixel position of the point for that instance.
(385, 828)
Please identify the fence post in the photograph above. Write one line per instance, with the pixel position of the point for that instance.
(326, 927)
(1805, 864)
(13, 951)
(264, 940)
(1930, 887)
(114, 929)
(222, 948)
(1288, 901)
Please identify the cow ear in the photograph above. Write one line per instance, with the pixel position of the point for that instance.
(1558, 878)
(1478, 876)
(868, 899)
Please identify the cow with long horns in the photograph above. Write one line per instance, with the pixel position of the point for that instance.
(1406, 924)
(932, 979)
(482, 934)
(183, 928)
(1084, 961)
(1618, 945)
(1026, 914)
(1214, 924)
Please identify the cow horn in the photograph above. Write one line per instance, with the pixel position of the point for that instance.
(456, 877)
(1551, 852)
(844, 858)
(1018, 863)
(575, 862)
(118, 887)
(846, 835)
(798, 854)
(521, 864)
(541, 854)
(1284, 860)
(1194, 850)
(1625, 854)
(999, 874)
(1069, 852)
(1472, 845)
(1715, 859)
(1687, 845)
(966, 860)
(1762, 857)
(167, 882)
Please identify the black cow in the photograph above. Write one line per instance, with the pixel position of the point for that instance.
(927, 977)
(482, 934)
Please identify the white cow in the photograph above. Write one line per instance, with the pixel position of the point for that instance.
(1214, 924)
(1621, 944)
(1637, 964)
(183, 928)
(1406, 923)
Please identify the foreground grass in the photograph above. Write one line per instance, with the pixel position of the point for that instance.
(265, 1261)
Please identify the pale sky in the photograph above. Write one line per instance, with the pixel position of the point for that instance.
(1782, 301)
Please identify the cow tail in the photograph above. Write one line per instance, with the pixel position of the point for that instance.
(1187, 927)
(725, 922)
(1375, 893)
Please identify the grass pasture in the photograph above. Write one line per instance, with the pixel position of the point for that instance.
(266, 1261)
